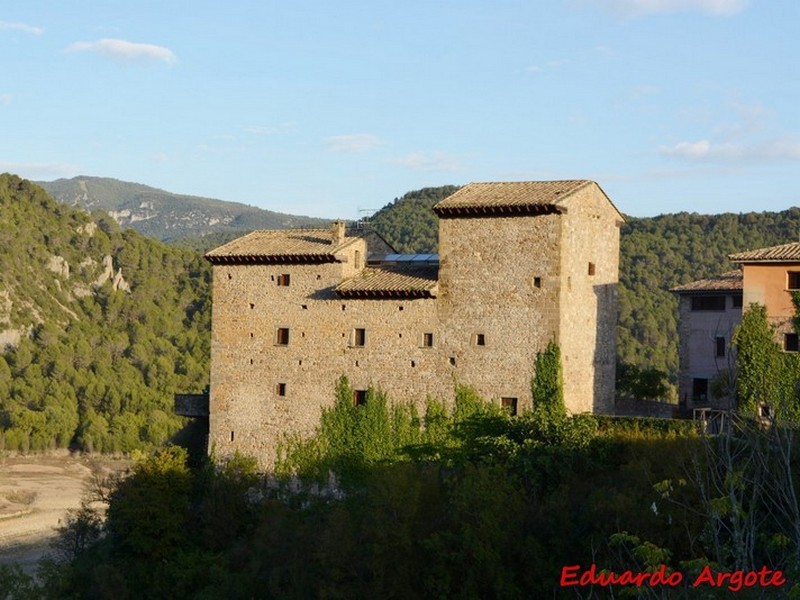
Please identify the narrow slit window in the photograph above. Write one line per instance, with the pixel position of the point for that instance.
(280, 389)
(591, 269)
(283, 279)
(719, 347)
(282, 336)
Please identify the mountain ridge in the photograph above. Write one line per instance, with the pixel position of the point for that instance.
(168, 216)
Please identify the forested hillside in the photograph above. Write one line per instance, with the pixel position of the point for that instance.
(167, 216)
(100, 327)
(656, 254)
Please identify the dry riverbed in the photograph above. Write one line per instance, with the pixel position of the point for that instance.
(36, 491)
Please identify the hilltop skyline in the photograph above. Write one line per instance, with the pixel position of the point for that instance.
(326, 110)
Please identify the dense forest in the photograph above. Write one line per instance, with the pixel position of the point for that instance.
(473, 503)
(103, 326)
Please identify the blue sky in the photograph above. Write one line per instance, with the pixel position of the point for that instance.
(330, 108)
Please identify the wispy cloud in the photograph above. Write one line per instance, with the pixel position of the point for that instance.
(5, 99)
(354, 142)
(429, 161)
(124, 50)
(269, 129)
(635, 8)
(17, 26)
(550, 65)
(40, 171)
(777, 150)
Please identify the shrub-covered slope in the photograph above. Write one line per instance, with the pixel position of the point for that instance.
(98, 327)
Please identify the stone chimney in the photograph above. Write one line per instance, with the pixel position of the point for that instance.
(338, 231)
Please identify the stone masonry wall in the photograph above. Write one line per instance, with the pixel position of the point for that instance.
(588, 303)
(499, 278)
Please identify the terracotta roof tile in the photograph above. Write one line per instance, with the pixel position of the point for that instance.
(783, 253)
(396, 280)
(282, 244)
(726, 282)
(520, 194)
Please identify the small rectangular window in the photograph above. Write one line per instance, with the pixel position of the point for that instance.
(283, 279)
(359, 397)
(357, 259)
(708, 303)
(280, 389)
(700, 390)
(793, 282)
(591, 268)
(790, 342)
(537, 282)
(282, 336)
(509, 404)
(719, 344)
(736, 301)
(359, 336)
(480, 339)
(427, 340)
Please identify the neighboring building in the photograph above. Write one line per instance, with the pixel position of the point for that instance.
(519, 265)
(711, 309)
(770, 275)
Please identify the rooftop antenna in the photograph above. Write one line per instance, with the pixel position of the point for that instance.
(365, 214)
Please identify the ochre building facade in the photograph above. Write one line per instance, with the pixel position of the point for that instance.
(519, 264)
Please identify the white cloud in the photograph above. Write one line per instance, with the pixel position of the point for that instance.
(40, 171)
(124, 50)
(269, 129)
(550, 65)
(5, 99)
(777, 150)
(633, 8)
(429, 161)
(354, 142)
(17, 26)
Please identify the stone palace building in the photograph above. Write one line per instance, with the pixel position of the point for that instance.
(519, 264)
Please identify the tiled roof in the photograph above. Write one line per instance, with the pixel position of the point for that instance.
(782, 253)
(533, 196)
(395, 281)
(283, 245)
(727, 282)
